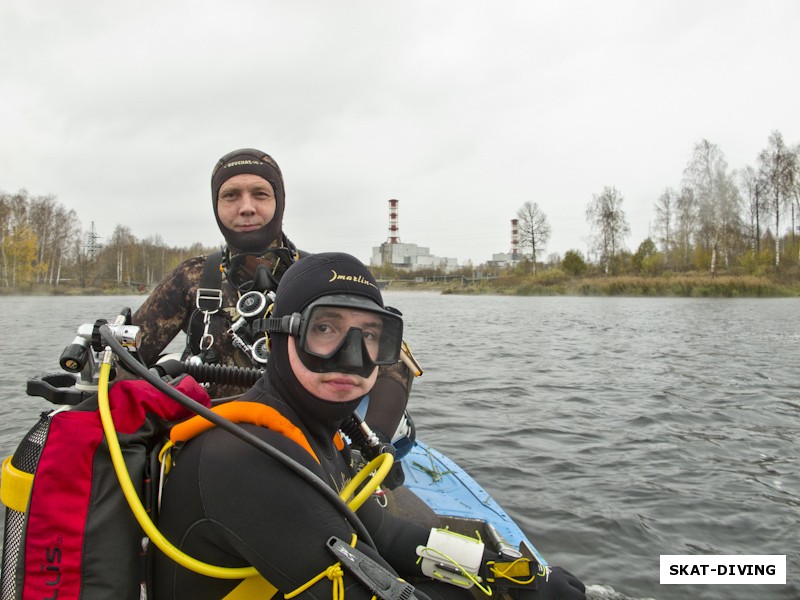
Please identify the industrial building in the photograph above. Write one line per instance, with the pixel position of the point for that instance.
(408, 256)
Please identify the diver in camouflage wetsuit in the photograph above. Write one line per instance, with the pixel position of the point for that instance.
(248, 202)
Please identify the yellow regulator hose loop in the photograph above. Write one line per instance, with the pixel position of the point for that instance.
(383, 463)
(135, 503)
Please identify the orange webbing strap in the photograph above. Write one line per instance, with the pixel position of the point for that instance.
(253, 413)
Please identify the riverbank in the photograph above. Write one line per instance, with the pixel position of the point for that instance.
(686, 286)
(547, 283)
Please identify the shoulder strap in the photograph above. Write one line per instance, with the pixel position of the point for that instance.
(254, 413)
(209, 292)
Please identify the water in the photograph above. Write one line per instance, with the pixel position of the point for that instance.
(613, 429)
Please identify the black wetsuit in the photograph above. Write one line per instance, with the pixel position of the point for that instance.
(227, 503)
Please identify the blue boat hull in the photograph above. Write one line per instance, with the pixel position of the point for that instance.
(451, 492)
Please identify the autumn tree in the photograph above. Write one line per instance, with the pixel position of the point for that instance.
(647, 259)
(20, 250)
(717, 199)
(534, 230)
(609, 224)
(573, 263)
(55, 227)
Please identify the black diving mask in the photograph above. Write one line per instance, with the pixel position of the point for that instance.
(345, 334)
(256, 271)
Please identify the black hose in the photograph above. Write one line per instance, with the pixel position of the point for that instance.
(204, 373)
(139, 369)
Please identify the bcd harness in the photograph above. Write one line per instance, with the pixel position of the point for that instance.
(209, 301)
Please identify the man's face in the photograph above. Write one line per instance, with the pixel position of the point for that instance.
(325, 332)
(245, 203)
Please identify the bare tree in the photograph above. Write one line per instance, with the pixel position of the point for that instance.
(752, 189)
(606, 217)
(120, 249)
(686, 223)
(778, 168)
(666, 210)
(717, 198)
(795, 189)
(534, 230)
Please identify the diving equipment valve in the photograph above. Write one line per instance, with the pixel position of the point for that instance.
(81, 359)
(250, 307)
(81, 355)
(363, 438)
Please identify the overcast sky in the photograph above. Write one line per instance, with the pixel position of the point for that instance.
(460, 109)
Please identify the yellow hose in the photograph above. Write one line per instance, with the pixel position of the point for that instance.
(135, 503)
(384, 460)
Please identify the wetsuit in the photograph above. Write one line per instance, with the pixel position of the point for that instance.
(230, 504)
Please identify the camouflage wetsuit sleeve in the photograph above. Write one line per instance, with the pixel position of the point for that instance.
(167, 310)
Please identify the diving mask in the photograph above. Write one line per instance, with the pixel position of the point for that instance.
(345, 334)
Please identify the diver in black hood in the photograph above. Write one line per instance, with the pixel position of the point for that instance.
(230, 504)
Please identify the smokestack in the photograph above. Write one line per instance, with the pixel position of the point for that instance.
(394, 237)
(514, 238)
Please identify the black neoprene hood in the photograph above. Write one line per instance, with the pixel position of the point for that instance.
(249, 161)
(324, 274)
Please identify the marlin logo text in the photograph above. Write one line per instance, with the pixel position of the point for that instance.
(355, 278)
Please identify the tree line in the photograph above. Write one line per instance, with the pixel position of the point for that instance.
(716, 217)
(43, 243)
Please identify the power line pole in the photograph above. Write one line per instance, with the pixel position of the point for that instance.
(92, 245)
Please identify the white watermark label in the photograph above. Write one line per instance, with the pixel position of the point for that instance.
(723, 568)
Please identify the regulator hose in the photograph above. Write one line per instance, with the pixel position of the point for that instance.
(209, 373)
(315, 482)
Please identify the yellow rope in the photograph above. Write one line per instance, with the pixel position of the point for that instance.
(335, 573)
(504, 572)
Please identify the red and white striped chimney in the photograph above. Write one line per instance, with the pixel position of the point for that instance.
(394, 230)
(514, 237)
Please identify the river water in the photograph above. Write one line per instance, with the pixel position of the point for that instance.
(614, 430)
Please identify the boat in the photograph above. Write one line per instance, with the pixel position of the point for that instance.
(435, 490)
